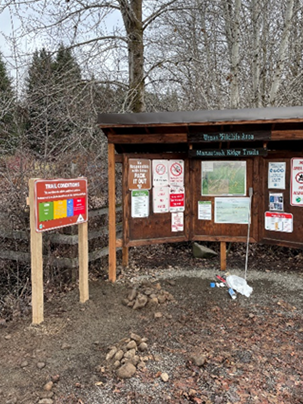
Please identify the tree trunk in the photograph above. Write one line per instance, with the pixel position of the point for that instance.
(132, 16)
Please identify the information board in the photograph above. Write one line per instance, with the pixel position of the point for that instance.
(60, 203)
(282, 222)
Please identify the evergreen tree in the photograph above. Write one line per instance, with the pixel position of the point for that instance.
(7, 107)
(52, 100)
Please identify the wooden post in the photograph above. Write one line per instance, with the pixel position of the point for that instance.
(83, 261)
(36, 261)
(111, 214)
(223, 255)
(125, 256)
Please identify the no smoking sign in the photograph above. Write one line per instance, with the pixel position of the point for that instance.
(176, 172)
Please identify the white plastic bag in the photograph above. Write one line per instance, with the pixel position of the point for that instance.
(239, 285)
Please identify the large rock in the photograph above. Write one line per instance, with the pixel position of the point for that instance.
(126, 371)
(200, 251)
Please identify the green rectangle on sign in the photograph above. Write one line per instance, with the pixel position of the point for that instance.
(140, 193)
(46, 211)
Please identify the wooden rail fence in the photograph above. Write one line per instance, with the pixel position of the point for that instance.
(60, 239)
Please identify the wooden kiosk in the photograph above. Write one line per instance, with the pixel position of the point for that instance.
(237, 167)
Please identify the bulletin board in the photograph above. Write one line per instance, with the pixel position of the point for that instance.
(165, 217)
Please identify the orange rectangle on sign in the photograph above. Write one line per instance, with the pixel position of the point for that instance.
(68, 200)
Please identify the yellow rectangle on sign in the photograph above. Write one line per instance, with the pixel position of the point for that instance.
(60, 209)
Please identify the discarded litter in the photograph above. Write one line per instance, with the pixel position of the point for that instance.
(232, 293)
(212, 284)
(239, 285)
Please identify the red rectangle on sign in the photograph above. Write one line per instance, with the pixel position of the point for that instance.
(63, 202)
(79, 206)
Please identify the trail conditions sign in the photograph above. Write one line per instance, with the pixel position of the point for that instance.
(60, 203)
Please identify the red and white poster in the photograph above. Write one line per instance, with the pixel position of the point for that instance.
(296, 182)
(282, 222)
(176, 199)
(160, 173)
(160, 199)
(176, 172)
(177, 221)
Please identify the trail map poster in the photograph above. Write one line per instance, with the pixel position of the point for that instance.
(223, 178)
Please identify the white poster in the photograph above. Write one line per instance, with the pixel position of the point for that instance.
(232, 210)
(176, 172)
(204, 210)
(160, 173)
(296, 182)
(160, 199)
(177, 221)
(276, 175)
(140, 203)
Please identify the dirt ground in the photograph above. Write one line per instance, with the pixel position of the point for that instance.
(252, 348)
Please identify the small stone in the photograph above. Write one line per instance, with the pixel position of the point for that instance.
(141, 365)
(164, 377)
(8, 337)
(161, 299)
(158, 286)
(40, 365)
(153, 302)
(130, 354)
(135, 360)
(119, 355)
(140, 302)
(132, 294)
(131, 303)
(48, 386)
(158, 314)
(24, 364)
(131, 345)
(117, 364)
(136, 337)
(111, 354)
(55, 378)
(171, 282)
(143, 346)
(125, 302)
(126, 371)
(46, 394)
(65, 346)
(157, 358)
(148, 291)
(46, 401)
(199, 360)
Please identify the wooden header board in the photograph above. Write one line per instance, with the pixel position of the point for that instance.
(60, 203)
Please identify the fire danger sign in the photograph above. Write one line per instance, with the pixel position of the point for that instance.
(176, 172)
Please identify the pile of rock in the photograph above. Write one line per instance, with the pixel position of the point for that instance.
(128, 355)
(147, 294)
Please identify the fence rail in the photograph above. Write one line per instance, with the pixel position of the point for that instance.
(60, 239)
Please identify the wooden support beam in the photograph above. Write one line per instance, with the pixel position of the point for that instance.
(36, 262)
(83, 261)
(223, 255)
(111, 214)
(125, 257)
